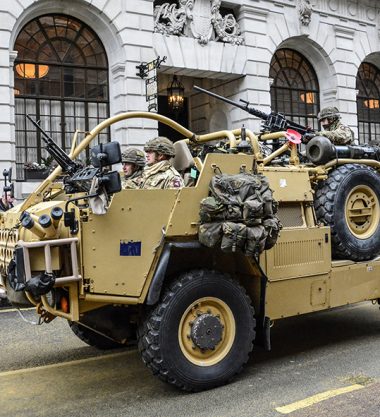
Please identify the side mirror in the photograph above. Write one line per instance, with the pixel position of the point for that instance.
(111, 181)
(105, 154)
(69, 220)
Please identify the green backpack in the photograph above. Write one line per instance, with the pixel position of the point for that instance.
(210, 234)
(239, 214)
(213, 209)
(234, 236)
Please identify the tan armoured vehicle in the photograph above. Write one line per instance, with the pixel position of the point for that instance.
(126, 265)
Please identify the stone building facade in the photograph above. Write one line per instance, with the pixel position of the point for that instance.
(240, 49)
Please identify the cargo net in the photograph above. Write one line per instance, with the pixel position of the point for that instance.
(239, 214)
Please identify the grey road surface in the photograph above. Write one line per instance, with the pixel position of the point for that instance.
(45, 371)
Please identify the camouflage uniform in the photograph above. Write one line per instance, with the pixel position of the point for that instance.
(132, 181)
(337, 132)
(161, 175)
(136, 157)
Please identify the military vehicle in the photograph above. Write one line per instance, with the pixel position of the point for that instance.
(128, 265)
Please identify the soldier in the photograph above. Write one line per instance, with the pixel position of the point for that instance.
(133, 160)
(160, 173)
(6, 202)
(333, 128)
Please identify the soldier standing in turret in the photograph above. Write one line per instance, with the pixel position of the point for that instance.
(133, 160)
(333, 128)
(160, 173)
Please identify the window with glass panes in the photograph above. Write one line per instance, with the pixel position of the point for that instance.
(61, 79)
(368, 103)
(295, 89)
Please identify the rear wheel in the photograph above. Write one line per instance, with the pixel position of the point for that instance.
(200, 335)
(349, 202)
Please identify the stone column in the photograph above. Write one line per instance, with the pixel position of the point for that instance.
(346, 72)
(136, 28)
(7, 117)
(255, 86)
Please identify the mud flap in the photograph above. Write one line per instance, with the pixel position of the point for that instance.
(263, 335)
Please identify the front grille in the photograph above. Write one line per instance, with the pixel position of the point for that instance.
(8, 240)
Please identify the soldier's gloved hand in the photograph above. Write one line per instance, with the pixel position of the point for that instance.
(307, 137)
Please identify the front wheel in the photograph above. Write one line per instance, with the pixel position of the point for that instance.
(200, 334)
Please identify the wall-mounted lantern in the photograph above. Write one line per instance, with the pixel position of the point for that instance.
(175, 93)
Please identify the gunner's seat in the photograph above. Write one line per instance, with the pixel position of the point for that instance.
(184, 161)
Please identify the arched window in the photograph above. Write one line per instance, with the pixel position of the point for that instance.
(294, 90)
(368, 103)
(61, 78)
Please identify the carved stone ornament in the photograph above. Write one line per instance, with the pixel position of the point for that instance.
(304, 10)
(200, 19)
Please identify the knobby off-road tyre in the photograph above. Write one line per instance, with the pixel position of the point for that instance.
(92, 338)
(349, 202)
(201, 332)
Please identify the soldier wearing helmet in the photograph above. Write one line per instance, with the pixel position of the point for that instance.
(133, 160)
(333, 128)
(159, 172)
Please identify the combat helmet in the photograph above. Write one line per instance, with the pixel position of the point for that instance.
(329, 113)
(161, 145)
(133, 156)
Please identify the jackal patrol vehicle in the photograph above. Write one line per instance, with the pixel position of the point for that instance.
(195, 279)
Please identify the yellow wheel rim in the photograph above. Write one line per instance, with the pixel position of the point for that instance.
(206, 311)
(362, 212)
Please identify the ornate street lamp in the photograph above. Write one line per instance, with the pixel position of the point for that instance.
(175, 93)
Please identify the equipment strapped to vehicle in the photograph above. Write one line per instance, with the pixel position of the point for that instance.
(239, 214)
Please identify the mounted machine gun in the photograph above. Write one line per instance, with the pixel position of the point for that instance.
(273, 122)
(80, 178)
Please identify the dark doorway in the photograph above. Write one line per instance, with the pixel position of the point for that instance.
(182, 118)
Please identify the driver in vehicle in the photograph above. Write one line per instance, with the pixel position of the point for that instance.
(159, 172)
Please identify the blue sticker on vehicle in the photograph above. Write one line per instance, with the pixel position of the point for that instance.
(130, 248)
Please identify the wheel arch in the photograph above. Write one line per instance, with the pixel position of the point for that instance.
(179, 257)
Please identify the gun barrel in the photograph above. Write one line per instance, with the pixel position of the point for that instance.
(66, 163)
(40, 129)
(244, 107)
(227, 100)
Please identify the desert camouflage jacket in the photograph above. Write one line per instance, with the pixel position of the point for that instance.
(338, 133)
(133, 181)
(161, 175)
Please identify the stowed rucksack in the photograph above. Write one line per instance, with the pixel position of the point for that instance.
(240, 213)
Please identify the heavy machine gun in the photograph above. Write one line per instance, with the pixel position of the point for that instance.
(79, 178)
(273, 122)
(64, 161)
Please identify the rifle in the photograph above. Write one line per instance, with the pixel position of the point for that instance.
(273, 122)
(64, 161)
